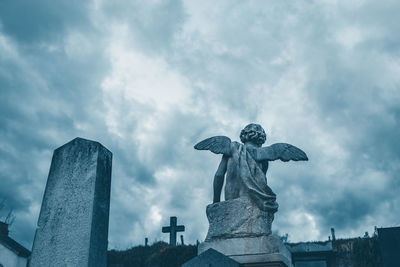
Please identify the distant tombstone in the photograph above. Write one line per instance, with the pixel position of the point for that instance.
(333, 234)
(211, 258)
(73, 221)
(172, 230)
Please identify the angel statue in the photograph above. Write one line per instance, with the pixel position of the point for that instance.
(246, 165)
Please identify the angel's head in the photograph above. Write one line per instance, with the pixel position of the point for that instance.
(253, 133)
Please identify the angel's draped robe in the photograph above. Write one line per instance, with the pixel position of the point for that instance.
(244, 177)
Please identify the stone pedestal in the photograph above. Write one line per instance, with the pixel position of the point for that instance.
(73, 221)
(237, 218)
(252, 251)
(242, 231)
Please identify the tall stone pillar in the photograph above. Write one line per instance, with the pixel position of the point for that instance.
(73, 221)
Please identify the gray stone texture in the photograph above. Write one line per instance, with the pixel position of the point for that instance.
(73, 221)
(237, 218)
(242, 231)
(211, 258)
(247, 250)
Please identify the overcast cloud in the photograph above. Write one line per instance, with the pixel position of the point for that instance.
(149, 79)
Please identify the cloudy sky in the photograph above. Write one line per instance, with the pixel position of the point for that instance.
(149, 79)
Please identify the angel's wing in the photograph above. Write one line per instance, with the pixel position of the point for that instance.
(282, 151)
(216, 144)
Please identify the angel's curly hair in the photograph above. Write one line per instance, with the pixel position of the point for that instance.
(254, 133)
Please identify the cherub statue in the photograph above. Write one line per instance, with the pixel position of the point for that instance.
(246, 165)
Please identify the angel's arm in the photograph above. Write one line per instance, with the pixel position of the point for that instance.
(219, 179)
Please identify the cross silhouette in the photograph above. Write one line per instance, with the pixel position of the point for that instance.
(172, 229)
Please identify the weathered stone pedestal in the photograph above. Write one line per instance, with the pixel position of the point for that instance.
(241, 231)
(252, 251)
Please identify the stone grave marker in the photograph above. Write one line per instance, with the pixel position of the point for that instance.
(73, 222)
(172, 230)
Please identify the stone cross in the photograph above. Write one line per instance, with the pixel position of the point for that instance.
(72, 229)
(172, 230)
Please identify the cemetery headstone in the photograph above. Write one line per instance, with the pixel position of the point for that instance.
(72, 228)
(333, 234)
(172, 230)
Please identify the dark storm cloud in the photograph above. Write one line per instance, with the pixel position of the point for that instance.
(351, 95)
(347, 210)
(44, 20)
(155, 23)
(138, 172)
